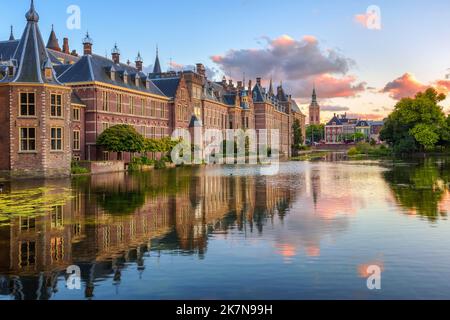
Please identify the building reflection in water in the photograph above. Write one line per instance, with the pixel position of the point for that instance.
(113, 220)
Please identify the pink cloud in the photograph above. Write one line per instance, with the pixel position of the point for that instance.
(403, 87)
(298, 63)
(362, 19)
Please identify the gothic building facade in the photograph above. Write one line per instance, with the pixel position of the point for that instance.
(56, 102)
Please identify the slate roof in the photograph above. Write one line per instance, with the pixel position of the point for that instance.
(61, 57)
(30, 56)
(7, 49)
(363, 123)
(295, 107)
(336, 120)
(259, 94)
(97, 68)
(75, 99)
(230, 99)
(168, 86)
(52, 42)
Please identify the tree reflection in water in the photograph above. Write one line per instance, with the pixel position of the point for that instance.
(421, 187)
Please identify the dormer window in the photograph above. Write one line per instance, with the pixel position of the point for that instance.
(113, 75)
(147, 84)
(137, 81)
(48, 70)
(11, 70)
(125, 77)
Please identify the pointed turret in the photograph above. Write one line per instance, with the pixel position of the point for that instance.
(271, 87)
(139, 62)
(157, 66)
(87, 44)
(53, 41)
(11, 35)
(314, 109)
(314, 102)
(33, 61)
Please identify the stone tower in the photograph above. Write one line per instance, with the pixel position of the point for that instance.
(35, 114)
(314, 110)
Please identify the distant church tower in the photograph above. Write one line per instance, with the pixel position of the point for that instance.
(314, 109)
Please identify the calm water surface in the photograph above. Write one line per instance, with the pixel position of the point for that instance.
(308, 232)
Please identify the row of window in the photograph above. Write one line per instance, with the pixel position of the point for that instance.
(28, 139)
(157, 108)
(28, 106)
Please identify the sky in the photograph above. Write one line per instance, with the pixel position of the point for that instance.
(333, 45)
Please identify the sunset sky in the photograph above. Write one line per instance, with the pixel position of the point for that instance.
(355, 69)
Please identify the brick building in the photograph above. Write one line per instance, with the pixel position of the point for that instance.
(56, 103)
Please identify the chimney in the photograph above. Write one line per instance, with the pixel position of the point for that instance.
(87, 45)
(230, 83)
(239, 84)
(250, 85)
(224, 81)
(258, 81)
(115, 54)
(66, 49)
(201, 69)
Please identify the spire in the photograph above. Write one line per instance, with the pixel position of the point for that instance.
(157, 67)
(32, 15)
(116, 54)
(11, 36)
(314, 102)
(87, 44)
(33, 62)
(87, 39)
(271, 87)
(53, 41)
(139, 62)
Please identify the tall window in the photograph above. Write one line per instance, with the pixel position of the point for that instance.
(27, 139)
(119, 103)
(105, 101)
(153, 109)
(56, 139)
(27, 104)
(76, 114)
(142, 107)
(57, 218)
(131, 105)
(27, 254)
(56, 105)
(76, 140)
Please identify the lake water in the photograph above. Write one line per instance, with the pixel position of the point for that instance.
(309, 231)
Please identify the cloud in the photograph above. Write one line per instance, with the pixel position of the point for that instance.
(405, 86)
(362, 19)
(211, 73)
(408, 86)
(299, 63)
(334, 108)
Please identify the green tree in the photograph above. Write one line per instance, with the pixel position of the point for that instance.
(417, 124)
(315, 133)
(298, 135)
(121, 138)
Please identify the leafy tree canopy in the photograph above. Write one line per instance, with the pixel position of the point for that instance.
(417, 124)
(121, 138)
